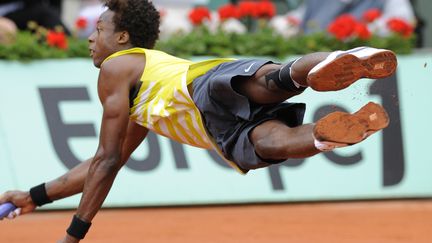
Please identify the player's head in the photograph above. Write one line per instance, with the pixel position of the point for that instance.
(125, 24)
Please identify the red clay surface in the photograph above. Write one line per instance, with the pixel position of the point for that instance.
(346, 222)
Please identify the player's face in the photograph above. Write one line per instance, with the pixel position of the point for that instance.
(104, 41)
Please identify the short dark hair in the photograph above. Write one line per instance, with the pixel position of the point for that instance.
(139, 18)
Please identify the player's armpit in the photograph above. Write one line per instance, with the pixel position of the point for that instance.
(134, 136)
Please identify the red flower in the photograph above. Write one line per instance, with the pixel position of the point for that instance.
(162, 12)
(198, 15)
(400, 26)
(248, 9)
(81, 23)
(371, 15)
(57, 39)
(228, 11)
(343, 26)
(362, 31)
(266, 9)
(293, 20)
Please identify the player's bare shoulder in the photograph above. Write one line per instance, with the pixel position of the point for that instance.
(126, 68)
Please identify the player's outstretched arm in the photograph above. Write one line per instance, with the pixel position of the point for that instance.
(113, 89)
(68, 184)
(71, 182)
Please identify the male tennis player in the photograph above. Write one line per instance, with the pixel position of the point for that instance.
(236, 107)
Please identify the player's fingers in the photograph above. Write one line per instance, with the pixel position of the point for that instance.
(5, 197)
(2, 198)
(14, 213)
(17, 211)
(11, 215)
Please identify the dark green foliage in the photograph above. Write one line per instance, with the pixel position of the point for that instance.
(202, 42)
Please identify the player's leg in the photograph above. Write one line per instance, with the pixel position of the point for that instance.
(274, 140)
(274, 83)
(322, 71)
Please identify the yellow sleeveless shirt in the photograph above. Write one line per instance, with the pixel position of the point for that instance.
(163, 103)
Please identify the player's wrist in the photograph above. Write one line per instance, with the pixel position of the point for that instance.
(78, 228)
(70, 239)
(39, 195)
(28, 198)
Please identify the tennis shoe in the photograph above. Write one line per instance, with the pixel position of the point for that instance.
(341, 128)
(342, 68)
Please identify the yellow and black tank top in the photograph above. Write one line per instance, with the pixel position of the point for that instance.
(163, 104)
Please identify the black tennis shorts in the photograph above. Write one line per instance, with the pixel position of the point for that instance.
(229, 116)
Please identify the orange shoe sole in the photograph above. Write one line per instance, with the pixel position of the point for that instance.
(342, 127)
(347, 68)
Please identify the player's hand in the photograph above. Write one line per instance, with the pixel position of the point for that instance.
(21, 200)
(68, 239)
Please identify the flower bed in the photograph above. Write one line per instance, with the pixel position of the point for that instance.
(259, 38)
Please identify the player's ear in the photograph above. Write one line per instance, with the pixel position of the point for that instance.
(123, 38)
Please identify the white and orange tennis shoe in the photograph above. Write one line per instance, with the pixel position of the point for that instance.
(340, 129)
(342, 68)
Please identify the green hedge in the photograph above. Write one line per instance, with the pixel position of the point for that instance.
(267, 43)
(202, 42)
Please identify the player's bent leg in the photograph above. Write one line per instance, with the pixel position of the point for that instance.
(345, 128)
(270, 84)
(290, 77)
(273, 140)
(274, 83)
(342, 68)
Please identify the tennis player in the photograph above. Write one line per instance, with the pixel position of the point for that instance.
(236, 107)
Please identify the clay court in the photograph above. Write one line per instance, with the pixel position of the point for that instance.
(331, 222)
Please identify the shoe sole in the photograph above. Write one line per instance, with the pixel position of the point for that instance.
(342, 127)
(347, 68)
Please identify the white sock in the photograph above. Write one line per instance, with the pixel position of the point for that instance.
(295, 82)
(327, 146)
